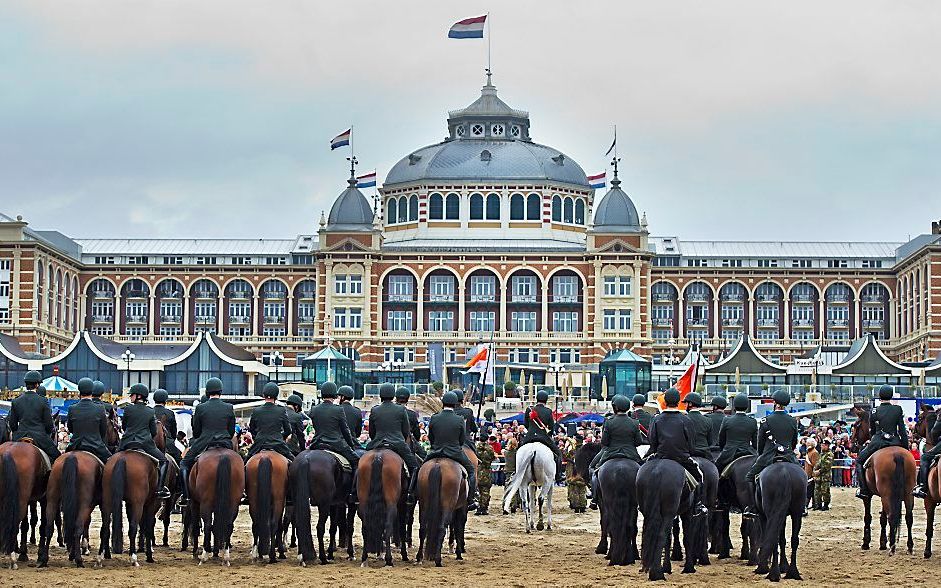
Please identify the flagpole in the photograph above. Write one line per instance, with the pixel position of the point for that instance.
(489, 71)
(490, 352)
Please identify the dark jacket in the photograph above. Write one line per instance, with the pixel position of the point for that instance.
(447, 432)
(88, 425)
(541, 431)
(31, 417)
(620, 438)
(139, 425)
(715, 419)
(388, 423)
(298, 421)
(889, 419)
(643, 419)
(168, 418)
(354, 419)
(330, 426)
(738, 436)
(702, 435)
(777, 429)
(213, 426)
(671, 436)
(470, 424)
(270, 427)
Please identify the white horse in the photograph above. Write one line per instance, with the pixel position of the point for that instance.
(535, 475)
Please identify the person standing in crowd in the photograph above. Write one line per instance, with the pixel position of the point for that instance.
(485, 457)
(509, 470)
(576, 488)
(810, 465)
(821, 476)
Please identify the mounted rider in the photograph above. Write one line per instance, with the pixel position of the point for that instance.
(168, 418)
(213, 426)
(886, 429)
(470, 422)
(298, 420)
(31, 417)
(447, 433)
(331, 431)
(389, 428)
(269, 425)
(927, 459)
(716, 416)
(777, 438)
(401, 397)
(620, 438)
(671, 437)
(738, 435)
(640, 414)
(540, 427)
(140, 426)
(354, 416)
(702, 427)
(88, 424)
(97, 392)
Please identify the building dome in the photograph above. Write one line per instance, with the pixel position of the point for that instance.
(487, 141)
(616, 212)
(351, 211)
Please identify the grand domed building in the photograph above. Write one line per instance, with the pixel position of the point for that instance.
(486, 235)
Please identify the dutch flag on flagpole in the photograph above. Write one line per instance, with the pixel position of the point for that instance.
(366, 180)
(469, 28)
(341, 140)
(597, 181)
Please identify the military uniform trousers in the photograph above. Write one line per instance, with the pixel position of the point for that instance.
(276, 445)
(41, 440)
(341, 448)
(98, 449)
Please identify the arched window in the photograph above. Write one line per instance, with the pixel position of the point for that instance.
(413, 208)
(579, 212)
(568, 214)
(493, 207)
(557, 209)
(435, 207)
(532, 207)
(516, 207)
(476, 207)
(403, 209)
(392, 214)
(453, 207)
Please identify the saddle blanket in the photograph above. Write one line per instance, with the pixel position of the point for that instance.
(727, 470)
(89, 453)
(145, 454)
(344, 463)
(690, 479)
(47, 463)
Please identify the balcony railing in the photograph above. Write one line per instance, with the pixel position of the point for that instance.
(697, 322)
(204, 294)
(103, 294)
(239, 320)
(873, 299)
(274, 319)
(305, 320)
(136, 318)
(565, 299)
(732, 322)
(662, 322)
(438, 298)
(838, 298)
(840, 323)
(136, 294)
(802, 323)
(803, 298)
(768, 322)
(102, 318)
(663, 297)
(733, 297)
(692, 297)
(873, 324)
(483, 298)
(306, 294)
(170, 319)
(240, 295)
(524, 298)
(205, 319)
(274, 295)
(768, 298)
(400, 298)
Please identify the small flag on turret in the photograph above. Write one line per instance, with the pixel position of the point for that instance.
(597, 181)
(469, 28)
(366, 180)
(341, 140)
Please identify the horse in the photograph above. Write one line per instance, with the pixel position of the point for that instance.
(782, 487)
(891, 477)
(583, 457)
(709, 532)
(129, 480)
(616, 482)
(931, 502)
(380, 488)
(23, 477)
(535, 466)
(859, 431)
(75, 487)
(216, 483)
(459, 520)
(266, 478)
(442, 498)
(663, 494)
(318, 479)
(173, 473)
(735, 494)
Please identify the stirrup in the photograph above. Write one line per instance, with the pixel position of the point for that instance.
(919, 491)
(163, 493)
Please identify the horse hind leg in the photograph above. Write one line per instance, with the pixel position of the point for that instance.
(792, 571)
(909, 520)
(321, 529)
(883, 533)
(540, 501)
(867, 523)
(677, 553)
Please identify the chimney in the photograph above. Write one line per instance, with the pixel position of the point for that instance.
(936, 227)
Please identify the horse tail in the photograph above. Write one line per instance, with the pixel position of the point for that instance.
(118, 477)
(10, 504)
(517, 482)
(374, 523)
(68, 490)
(432, 515)
(264, 505)
(222, 518)
(305, 538)
(896, 496)
(776, 514)
(652, 548)
(617, 507)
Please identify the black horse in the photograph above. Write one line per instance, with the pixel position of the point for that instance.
(782, 488)
(318, 479)
(616, 481)
(663, 494)
(734, 496)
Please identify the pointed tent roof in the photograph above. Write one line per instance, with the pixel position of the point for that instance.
(865, 358)
(328, 353)
(688, 359)
(747, 359)
(620, 355)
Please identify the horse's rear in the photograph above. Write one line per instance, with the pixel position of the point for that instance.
(379, 488)
(663, 494)
(616, 481)
(73, 490)
(23, 477)
(266, 479)
(129, 478)
(737, 493)
(931, 503)
(216, 482)
(442, 492)
(783, 489)
(535, 466)
(316, 478)
(891, 476)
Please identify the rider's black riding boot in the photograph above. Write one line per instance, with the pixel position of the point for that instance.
(751, 511)
(474, 499)
(863, 490)
(184, 486)
(594, 491)
(919, 490)
(410, 498)
(162, 491)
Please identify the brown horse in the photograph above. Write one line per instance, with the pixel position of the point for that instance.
(442, 498)
(318, 479)
(129, 480)
(23, 477)
(216, 483)
(75, 487)
(173, 472)
(891, 477)
(933, 500)
(860, 430)
(266, 476)
(380, 485)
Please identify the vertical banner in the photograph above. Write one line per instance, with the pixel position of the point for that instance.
(436, 361)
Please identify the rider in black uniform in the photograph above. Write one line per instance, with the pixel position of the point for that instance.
(927, 459)
(640, 415)
(298, 421)
(140, 426)
(716, 416)
(331, 431)
(738, 435)
(540, 427)
(213, 426)
(620, 438)
(389, 428)
(31, 417)
(447, 432)
(168, 418)
(401, 397)
(886, 429)
(671, 437)
(88, 424)
(777, 438)
(702, 427)
(354, 416)
(269, 425)
(470, 422)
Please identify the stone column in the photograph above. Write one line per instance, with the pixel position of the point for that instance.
(118, 312)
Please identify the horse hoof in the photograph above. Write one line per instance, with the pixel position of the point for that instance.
(794, 576)
(539, 527)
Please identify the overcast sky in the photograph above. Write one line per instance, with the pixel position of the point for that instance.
(736, 120)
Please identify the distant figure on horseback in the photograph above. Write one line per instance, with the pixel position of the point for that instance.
(168, 418)
(640, 414)
(331, 429)
(354, 416)
(298, 420)
(31, 417)
(703, 439)
(448, 440)
(620, 437)
(927, 459)
(140, 427)
(401, 397)
(269, 425)
(886, 429)
(671, 437)
(540, 427)
(738, 435)
(88, 424)
(388, 429)
(777, 438)
(213, 426)
(716, 416)
(470, 422)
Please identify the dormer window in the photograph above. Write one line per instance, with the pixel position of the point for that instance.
(459, 130)
(515, 131)
(496, 130)
(477, 130)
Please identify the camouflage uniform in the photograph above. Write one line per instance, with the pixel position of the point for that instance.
(822, 480)
(575, 486)
(485, 457)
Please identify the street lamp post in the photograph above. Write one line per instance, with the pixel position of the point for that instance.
(128, 357)
(277, 360)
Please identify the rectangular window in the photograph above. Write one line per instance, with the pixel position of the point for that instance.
(872, 263)
(803, 263)
(305, 332)
(273, 311)
(271, 260)
(732, 312)
(104, 260)
(481, 321)
(136, 331)
(767, 263)
(356, 318)
(524, 288)
(662, 311)
(138, 260)
(339, 318)
(803, 313)
(206, 260)
(302, 260)
(619, 286)
(483, 289)
(274, 332)
(103, 331)
(617, 319)
(837, 263)
(136, 312)
(399, 354)
(356, 285)
(400, 289)
(662, 335)
(767, 335)
(523, 322)
(565, 289)
(306, 311)
(340, 284)
(565, 355)
(442, 288)
(171, 331)
(399, 320)
(524, 355)
(803, 335)
(731, 263)
(241, 260)
(205, 310)
(696, 263)
(173, 260)
(441, 320)
(565, 322)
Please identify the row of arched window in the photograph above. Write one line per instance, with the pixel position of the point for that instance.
(57, 297)
(404, 209)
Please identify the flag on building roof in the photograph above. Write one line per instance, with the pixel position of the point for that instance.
(469, 28)
(341, 140)
(366, 180)
(597, 181)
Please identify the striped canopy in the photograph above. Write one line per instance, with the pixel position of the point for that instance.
(57, 384)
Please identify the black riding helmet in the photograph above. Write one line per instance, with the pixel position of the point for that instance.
(139, 390)
(99, 390)
(402, 393)
(270, 390)
(213, 386)
(620, 403)
(719, 402)
(782, 397)
(741, 402)
(386, 391)
(85, 386)
(639, 400)
(346, 392)
(693, 399)
(449, 399)
(32, 377)
(542, 396)
(295, 400)
(671, 397)
(328, 390)
(160, 396)
(885, 392)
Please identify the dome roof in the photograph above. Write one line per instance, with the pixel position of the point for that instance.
(616, 212)
(351, 211)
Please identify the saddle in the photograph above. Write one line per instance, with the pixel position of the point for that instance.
(92, 455)
(344, 463)
(171, 459)
(690, 480)
(387, 445)
(868, 463)
(727, 470)
(47, 463)
(145, 454)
